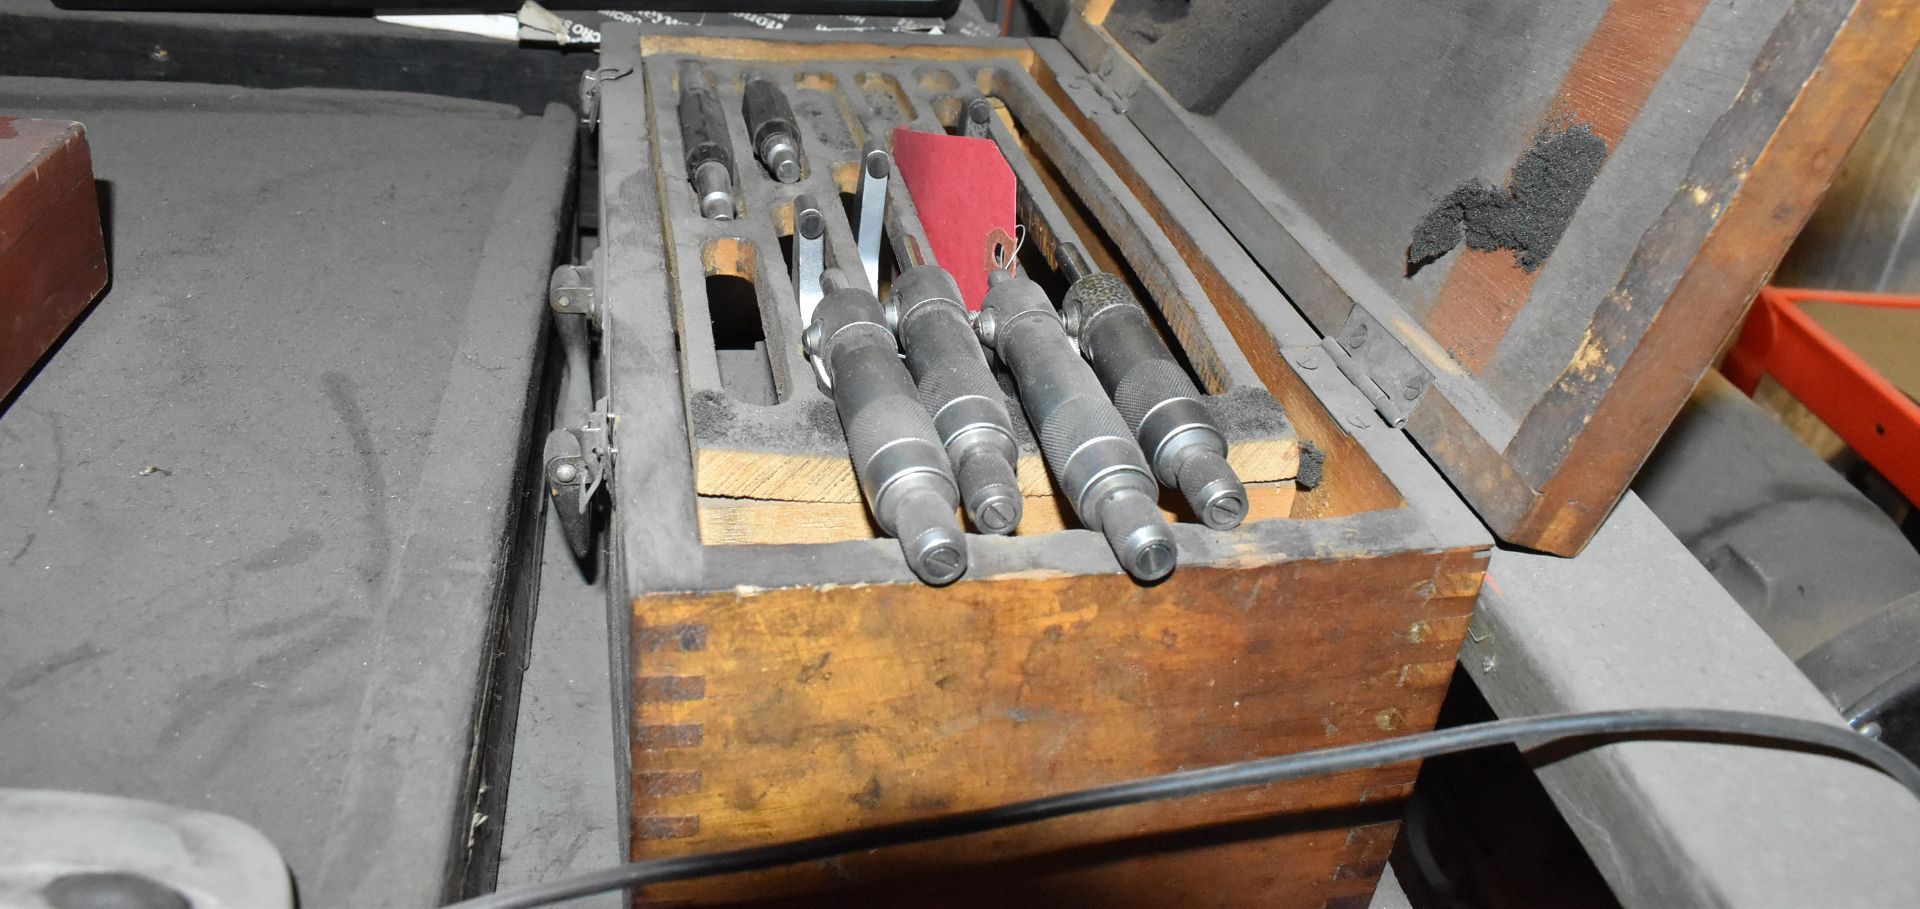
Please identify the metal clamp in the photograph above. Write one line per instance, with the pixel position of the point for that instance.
(809, 267)
(809, 255)
(579, 452)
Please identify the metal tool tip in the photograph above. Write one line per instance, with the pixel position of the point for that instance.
(938, 555)
(930, 535)
(1213, 491)
(1140, 537)
(716, 206)
(714, 182)
(782, 157)
(997, 513)
(991, 492)
(1072, 263)
(1153, 560)
(1224, 508)
(808, 222)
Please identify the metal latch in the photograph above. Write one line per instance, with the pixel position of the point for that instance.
(1376, 363)
(579, 452)
(590, 82)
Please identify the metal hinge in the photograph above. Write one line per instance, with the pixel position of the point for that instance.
(570, 292)
(1115, 81)
(590, 82)
(579, 453)
(1379, 365)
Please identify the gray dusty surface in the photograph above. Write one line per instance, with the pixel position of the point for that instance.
(205, 488)
(561, 803)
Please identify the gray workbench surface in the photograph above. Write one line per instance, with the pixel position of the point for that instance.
(1635, 621)
(563, 812)
(216, 549)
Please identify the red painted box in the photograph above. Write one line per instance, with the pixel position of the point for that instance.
(53, 260)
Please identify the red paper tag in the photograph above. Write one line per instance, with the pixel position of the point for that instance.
(965, 193)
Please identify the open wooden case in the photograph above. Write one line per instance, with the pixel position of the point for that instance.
(789, 688)
(770, 462)
(791, 677)
(1536, 379)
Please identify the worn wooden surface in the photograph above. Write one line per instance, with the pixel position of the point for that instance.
(1862, 236)
(53, 260)
(1609, 81)
(1724, 122)
(810, 686)
(764, 715)
(1753, 184)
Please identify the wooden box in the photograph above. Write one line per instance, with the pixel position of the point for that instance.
(792, 678)
(784, 689)
(53, 261)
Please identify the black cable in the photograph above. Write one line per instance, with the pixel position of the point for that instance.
(1756, 728)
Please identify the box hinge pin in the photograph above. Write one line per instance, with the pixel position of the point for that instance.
(1376, 363)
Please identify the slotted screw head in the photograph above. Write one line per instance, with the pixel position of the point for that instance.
(995, 517)
(1225, 511)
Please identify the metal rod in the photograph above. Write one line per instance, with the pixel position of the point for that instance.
(1113, 331)
(809, 254)
(875, 165)
(709, 151)
(770, 121)
(902, 466)
(1087, 445)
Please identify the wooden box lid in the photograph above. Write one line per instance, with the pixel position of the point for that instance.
(1638, 166)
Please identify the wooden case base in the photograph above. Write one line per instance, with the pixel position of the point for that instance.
(793, 679)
